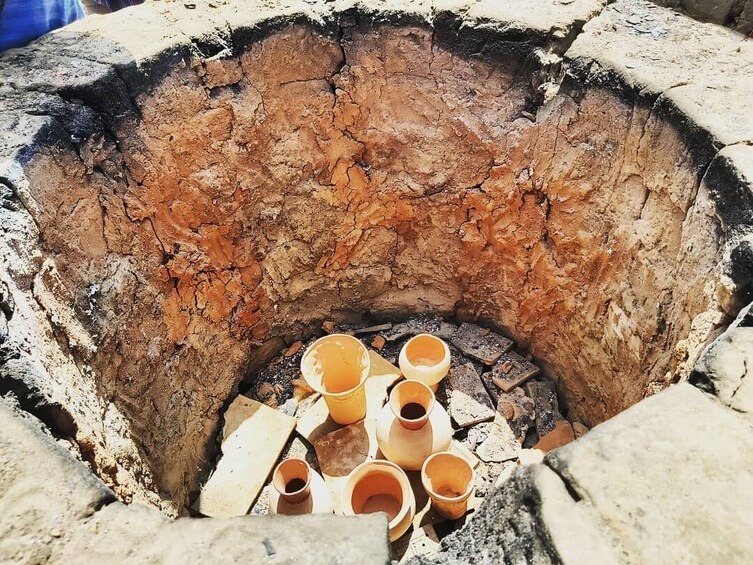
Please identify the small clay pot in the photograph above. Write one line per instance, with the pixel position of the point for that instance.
(425, 358)
(448, 480)
(337, 366)
(298, 489)
(380, 486)
(412, 425)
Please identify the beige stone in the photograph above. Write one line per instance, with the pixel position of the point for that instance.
(253, 438)
(469, 402)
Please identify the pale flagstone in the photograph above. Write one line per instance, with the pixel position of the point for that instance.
(501, 444)
(469, 403)
(253, 438)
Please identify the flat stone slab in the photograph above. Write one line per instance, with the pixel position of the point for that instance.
(253, 438)
(500, 444)
(135, 534)
(480, 343)
(469, 402)
(669, 477)
(512, 370)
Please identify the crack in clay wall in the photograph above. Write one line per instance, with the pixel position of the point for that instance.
(382, 172)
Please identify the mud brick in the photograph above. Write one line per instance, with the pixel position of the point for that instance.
(481, 344)
(512, 370)
(469, 402)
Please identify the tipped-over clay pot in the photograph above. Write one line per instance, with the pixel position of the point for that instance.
(380, 486)
(425, 358)
(298, 489)
(337, 366)
(412, 426)
(448, 480)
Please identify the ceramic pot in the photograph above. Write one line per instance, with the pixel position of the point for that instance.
(412, 425)
(425, 358)
(337, 366)
(448, 480)
(298, 489)
(380, 486)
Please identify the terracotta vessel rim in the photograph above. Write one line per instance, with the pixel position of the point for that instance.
(283, 492)
(426, 484)
(428, 408)
(406, 505)
(364, 372)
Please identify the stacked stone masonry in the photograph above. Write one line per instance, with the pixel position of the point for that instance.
(183, 196)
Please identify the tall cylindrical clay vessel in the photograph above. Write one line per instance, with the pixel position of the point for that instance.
(337, 366)
(412, 426)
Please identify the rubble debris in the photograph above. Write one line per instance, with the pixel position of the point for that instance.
(469, 402)
(480, 343)
(500, 444)
(328, 326)
(371, 329)
(544, 396)
(422, 541)
(579, 429)
(519, 411)
(253, 438)
(425, 324)
(512, 370)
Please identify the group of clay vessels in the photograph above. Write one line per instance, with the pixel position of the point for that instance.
(413, 432)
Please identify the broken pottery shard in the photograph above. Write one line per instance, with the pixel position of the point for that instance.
(562, 434)
(341, 451)
(519, 411)
(544, 396)
(512, 370)
(480, 343)
(500, 445)
(378, 343)
(253, 438)
(468, 401)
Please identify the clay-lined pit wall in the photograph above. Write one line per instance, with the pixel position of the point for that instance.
(382, 172)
